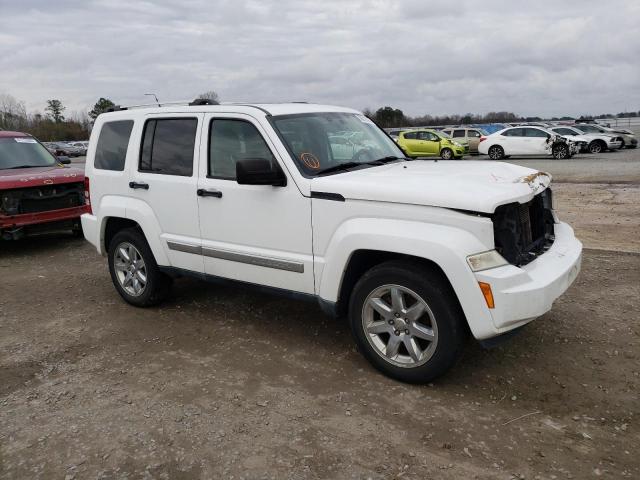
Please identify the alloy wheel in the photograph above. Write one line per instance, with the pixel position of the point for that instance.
(130, 268)
(561, 152)
(595, 147)
(495, 153)
(400, 326)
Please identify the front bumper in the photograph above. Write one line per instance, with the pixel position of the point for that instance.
(460, 151)
(523, 293)
(48, 216)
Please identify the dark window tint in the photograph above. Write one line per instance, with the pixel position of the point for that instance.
(534, 132)
(411, 135)
(514, 132)
(168, 145)
(458, 134)
(111, 150)
(233, 140)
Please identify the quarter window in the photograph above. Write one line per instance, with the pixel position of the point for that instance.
(233, 140)
(168, 145)
(111, 150)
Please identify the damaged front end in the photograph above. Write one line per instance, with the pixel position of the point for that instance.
(561, 147)
(522, 232)
(35, 209)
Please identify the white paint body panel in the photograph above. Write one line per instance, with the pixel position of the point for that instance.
(418, 208)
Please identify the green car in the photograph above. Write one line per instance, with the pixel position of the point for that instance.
(431, 143)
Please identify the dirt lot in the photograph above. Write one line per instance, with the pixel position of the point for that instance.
(222, 383)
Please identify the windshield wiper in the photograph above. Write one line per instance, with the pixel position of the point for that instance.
(383, 160)
(348, 165)
(339, 167)
(22, 166)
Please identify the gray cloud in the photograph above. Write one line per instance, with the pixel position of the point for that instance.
(545, 57)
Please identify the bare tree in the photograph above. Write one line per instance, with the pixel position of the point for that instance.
(211, 95)
(13, 113)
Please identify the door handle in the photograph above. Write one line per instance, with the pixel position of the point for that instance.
(209, 193)
(143, 186)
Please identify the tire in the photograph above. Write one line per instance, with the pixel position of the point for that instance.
(442, 320)
(446, 154)
(131, 243)
(561, 152)
(597, 146)
(496, 152)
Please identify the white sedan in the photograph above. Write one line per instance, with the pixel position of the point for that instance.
(594, 142)
(526, 140)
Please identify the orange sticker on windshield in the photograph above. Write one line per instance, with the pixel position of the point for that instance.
(310, 160)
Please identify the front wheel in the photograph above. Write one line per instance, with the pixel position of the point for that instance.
(561, 152)
(596, 147)
(446, 154)
(406, 321)
(134, 270)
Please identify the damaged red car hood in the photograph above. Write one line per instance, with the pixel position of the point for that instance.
(37, 176)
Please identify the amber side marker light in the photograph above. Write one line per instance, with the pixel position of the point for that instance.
(488, 294)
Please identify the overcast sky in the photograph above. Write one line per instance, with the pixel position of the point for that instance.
(533, 58)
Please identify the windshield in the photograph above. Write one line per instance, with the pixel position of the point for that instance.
(321, 141)
(16, 152)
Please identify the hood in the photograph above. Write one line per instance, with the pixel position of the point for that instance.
(579, 138)
(478, 186)
(37, 176)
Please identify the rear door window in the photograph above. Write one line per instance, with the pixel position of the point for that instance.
(514, 132)
(534, 132)
(458, 134)
(113, 141)
(411, 135)
(168, 146)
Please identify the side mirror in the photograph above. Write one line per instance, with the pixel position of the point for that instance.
(259, 171)
(63, 159)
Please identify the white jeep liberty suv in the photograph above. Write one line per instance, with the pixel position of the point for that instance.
(318, 202)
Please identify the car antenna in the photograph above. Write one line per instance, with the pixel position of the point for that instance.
(154, 96)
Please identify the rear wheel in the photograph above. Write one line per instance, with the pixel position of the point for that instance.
(134, 270)
(496, 152)
(406, 321)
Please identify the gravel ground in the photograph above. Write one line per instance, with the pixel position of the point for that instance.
(227, 383)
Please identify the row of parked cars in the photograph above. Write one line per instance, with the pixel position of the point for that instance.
(68, 149)
(560, 141)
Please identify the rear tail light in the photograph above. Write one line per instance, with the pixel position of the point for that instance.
(87, 195)
(482, 139)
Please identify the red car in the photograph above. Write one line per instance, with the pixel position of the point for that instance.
(37, 191)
